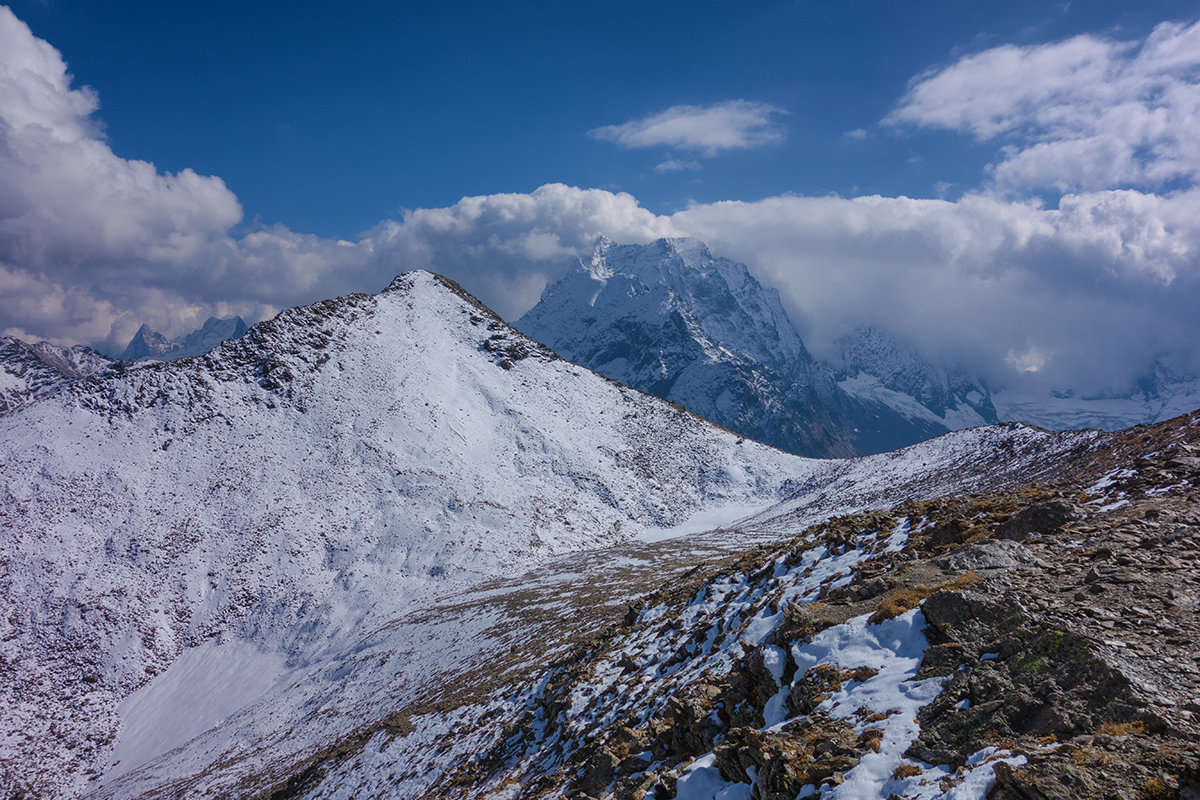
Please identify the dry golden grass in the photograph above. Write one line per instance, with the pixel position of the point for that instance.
(872, 738)
(906, 771)
(1091, 757)
(896, 603)
(1122, 728)
(860, 674)
(1158, 789)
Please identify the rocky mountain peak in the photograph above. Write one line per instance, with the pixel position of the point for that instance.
(671, 319)
(150, 344)
(31, 371)
(953, 395)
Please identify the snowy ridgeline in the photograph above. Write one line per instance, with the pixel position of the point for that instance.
(30, 372)
(336, 469)
(330, 467)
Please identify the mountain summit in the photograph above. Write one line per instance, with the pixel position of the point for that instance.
(671, 319)
(147, 343)
(311, 477)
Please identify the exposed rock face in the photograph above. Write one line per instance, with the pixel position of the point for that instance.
(875, 366)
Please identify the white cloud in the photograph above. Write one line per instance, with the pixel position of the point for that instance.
(731, 125)
(504, 247)
(1099, 286)
(92, 245)
(676, 165)
(1081, 114)
(858, 134)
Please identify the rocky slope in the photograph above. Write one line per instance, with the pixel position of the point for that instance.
(386, 545)
(150, 344)
(1034, 640)
(338, 462)
(32, 371)
(672, 320)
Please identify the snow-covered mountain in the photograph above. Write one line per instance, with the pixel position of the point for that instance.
(29, 371)
(874, 366)
(671, 319)
(150, 344)
(337, 462)
(220, 570)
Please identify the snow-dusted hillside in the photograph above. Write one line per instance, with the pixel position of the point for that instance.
(31, 371)
(427, 673)
(476, 678)
(326, 469)
(219, 568)
(150, 344)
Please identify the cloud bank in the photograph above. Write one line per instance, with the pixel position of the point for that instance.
(1077, 115)
(1084, 295)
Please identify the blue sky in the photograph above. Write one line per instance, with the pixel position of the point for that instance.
(1014, 188)
(328, 119)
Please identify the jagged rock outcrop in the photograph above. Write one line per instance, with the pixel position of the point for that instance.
(150, 344)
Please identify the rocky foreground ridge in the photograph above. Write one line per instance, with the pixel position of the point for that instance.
(1061, 656)
(1038, 641)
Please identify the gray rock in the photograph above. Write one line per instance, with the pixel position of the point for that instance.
(992, 554)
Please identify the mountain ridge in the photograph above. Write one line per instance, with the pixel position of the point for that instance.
(388, 544)
(29, 371)
(150, 344)
(337, 463)
(673, 320)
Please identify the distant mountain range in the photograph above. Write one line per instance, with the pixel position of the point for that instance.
(388, 546)
(150, 344)
(671, 319)
(32, 371)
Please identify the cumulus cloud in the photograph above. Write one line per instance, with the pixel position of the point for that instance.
(505, 247)
(731, 125)
(1085, 294)
(1082, 114)
(92, 245)
(1097, 288)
